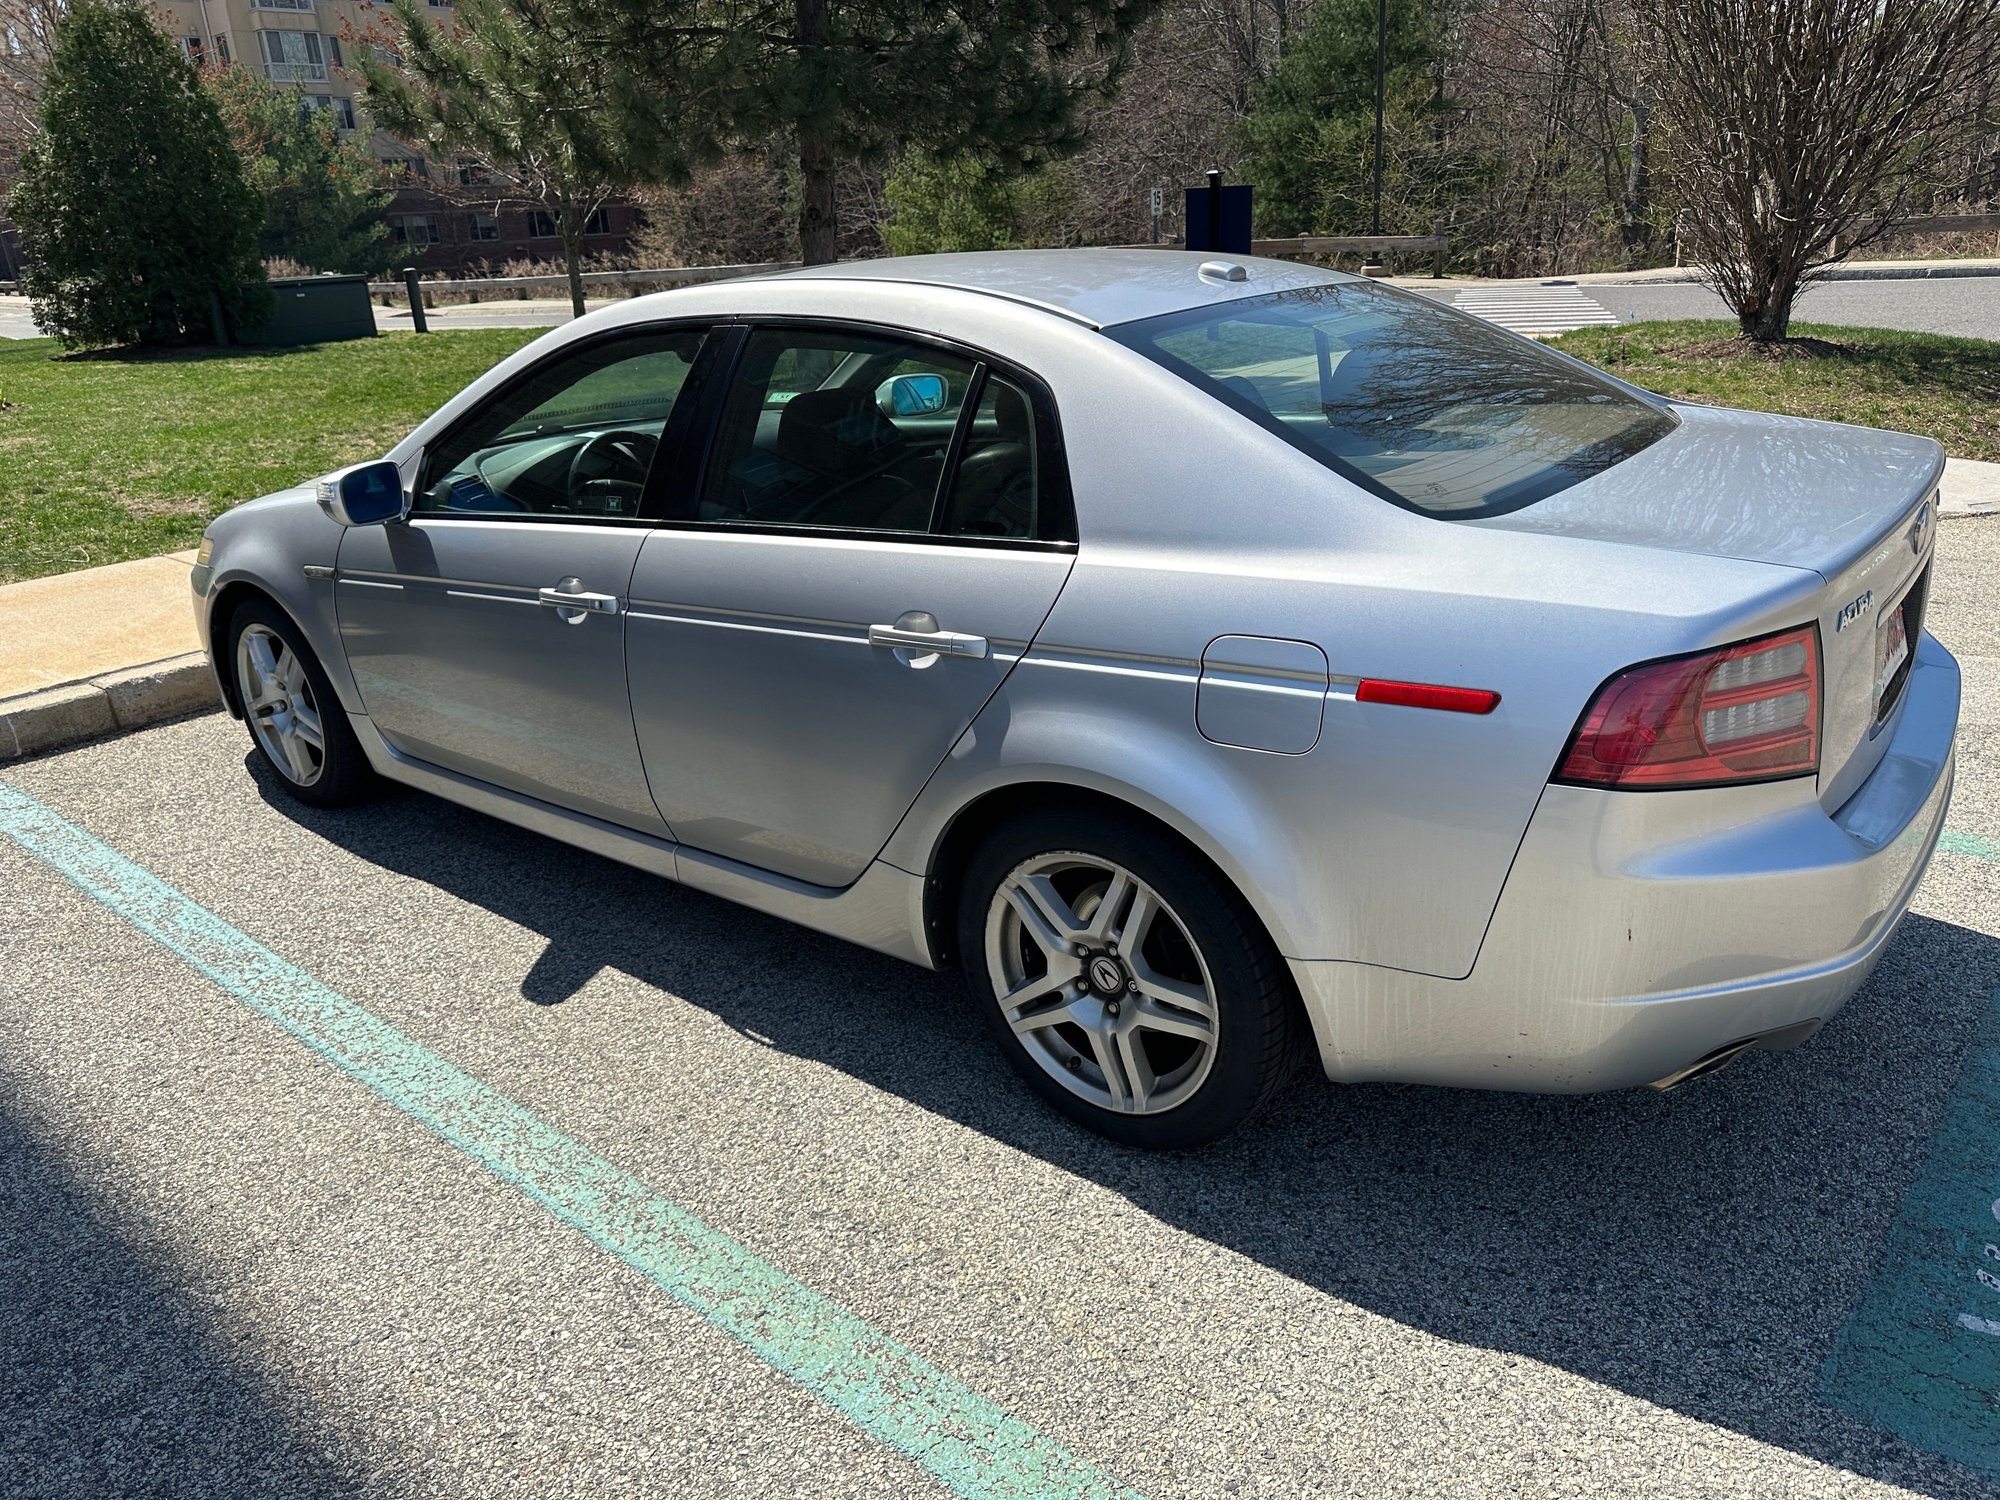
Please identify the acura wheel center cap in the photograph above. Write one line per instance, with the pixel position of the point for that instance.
(1106, 975)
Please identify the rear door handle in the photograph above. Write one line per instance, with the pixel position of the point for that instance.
(574, 602)
(927, 642)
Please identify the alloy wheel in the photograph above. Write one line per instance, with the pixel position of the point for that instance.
(1101, 983)
(278, 701)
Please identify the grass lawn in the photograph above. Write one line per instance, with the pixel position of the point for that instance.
(105, 459)
(1944, 388)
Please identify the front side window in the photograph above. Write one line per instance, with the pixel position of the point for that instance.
(1428, 407)
(575, 438)
(849, 431)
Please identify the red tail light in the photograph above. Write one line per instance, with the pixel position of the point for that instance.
(1748, 712)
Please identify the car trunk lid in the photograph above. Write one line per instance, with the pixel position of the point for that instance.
(1856, 506)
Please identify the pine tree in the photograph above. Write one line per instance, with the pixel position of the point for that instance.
(131, 201)
(324, 203)
(522, 89)
(1309, 143)
(857, 80)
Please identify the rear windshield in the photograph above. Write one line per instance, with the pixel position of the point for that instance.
(1426, 406)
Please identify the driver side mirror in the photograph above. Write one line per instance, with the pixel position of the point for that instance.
(365, 495)
(910, 395)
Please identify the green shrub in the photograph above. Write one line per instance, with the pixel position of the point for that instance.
(131, 201)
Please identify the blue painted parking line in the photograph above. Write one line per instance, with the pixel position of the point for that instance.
(1920, 1357)
(968, 1442)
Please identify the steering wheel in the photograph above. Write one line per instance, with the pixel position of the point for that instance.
(610, 469)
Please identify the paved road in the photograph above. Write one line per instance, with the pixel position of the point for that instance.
(232, 1269)
(1967, 306)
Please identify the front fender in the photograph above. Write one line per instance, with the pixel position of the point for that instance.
(267, 545)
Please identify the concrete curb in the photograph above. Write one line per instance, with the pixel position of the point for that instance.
(111, 704)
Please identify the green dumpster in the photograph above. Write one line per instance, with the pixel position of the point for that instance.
(316, 310)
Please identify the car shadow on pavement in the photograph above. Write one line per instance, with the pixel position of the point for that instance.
(1699, 1249)
(113, 1377)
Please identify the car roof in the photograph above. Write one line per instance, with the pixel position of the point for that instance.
(1097, 287)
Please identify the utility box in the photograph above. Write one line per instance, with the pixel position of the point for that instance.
(316, 310)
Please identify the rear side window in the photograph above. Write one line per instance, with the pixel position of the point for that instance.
(1425, 406)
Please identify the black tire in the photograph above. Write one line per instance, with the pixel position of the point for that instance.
(343, 774)
(1256, 1031)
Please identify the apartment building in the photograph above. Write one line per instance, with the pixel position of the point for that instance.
(451, 216)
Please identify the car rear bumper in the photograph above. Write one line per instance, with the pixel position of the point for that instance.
(1640, 933)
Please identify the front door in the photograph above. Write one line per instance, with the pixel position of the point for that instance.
(880, 532)
(487, 634)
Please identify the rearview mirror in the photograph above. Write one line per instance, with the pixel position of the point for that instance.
(365, 495)
(910, 395)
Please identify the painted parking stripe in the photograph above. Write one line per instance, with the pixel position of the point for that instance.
(889, 1391)
(1920, 1357)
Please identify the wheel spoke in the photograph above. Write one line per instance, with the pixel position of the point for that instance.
(1138, 1069)
(1180, 994)
(263, 665)
(306, 725)
(1104, 922)
(1033, 988)
(1105, 1050)
(1047, 919)
(291, 670)
(1148, 1016)
(296, 753)
(1048, 1015)
(1138, 923)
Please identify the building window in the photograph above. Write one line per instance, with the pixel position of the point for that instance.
(281, 4)
(222, 48)
(442, 4)
(293, 56)
(343, 109)
(192, 49)
(485, 226)
(472, 174)
(542, 226)
(413, 229)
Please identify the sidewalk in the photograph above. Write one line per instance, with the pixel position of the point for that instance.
(92, 653)
(83, 655)
(1854, 270)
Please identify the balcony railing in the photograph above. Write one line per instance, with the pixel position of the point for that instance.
(282, 4)
(295, 72)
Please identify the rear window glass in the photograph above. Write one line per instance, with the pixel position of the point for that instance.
(1423, 405)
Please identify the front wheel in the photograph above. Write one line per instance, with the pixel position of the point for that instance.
(294, 718)
(1124, 979)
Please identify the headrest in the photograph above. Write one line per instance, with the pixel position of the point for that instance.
(837, 433)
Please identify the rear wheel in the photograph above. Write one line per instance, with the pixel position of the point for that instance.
(294, 718)
(1127, 983)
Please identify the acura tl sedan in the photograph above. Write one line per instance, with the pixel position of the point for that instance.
(1213, 659)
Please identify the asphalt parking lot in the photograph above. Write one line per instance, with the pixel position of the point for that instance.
(509, 1171)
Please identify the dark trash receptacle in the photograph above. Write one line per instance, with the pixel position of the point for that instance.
(316, 310)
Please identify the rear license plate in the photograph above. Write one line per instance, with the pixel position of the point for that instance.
(1892, 649)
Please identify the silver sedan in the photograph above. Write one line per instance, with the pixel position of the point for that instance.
(1215, 660)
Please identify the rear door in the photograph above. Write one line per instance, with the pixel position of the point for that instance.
(878, 531)
(487, 634)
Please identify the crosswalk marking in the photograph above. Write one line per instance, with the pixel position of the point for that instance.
(1535, 310)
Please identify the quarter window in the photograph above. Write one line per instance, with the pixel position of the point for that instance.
(996, 489)
(576, 438)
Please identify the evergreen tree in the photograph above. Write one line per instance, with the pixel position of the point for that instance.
(523, 88)
(131, 201)
(961, 203)
(1309, 142)
(324, 205)
(853, 80)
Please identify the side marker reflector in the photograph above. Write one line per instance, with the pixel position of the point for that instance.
(1454, 700)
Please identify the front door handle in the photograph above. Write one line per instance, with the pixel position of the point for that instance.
(574, 603)
(918, 634)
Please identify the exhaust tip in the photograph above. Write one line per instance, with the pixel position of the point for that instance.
(1703, 1067)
